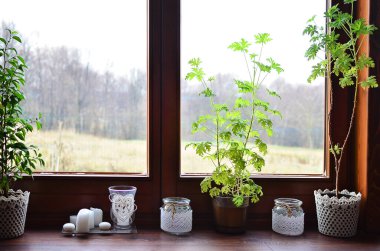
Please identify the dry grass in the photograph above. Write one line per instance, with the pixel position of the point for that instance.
(71, 152)
(279, 160)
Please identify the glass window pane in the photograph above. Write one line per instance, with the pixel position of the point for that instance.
(208, 28)
(87, 76)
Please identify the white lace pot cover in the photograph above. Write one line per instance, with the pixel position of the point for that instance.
(176, 223)
(288, 225)
(337, 217)
(13, 213)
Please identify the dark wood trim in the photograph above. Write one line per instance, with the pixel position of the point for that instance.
(372, 217)
(361, 120)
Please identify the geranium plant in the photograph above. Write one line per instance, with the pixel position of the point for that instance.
(16, 157)
(344, 60)
(236, 144)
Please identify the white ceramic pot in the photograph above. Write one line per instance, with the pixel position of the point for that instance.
(13, 214)
(337, 217)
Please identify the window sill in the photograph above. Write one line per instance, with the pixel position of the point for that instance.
(199, 239)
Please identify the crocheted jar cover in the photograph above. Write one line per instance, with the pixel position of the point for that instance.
(283, 224)
(177, 222)
(13, 213)
(337, 217)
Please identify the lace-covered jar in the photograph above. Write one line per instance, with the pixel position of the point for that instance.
(288, 216)
(176, 215)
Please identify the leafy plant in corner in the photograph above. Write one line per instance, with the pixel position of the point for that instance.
(235, 132)
(343, 59)
(16, 157)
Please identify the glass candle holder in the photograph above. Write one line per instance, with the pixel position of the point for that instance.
(288, 216)
(123, 205)
(176, 215)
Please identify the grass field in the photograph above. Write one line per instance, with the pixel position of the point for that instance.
(68, 151)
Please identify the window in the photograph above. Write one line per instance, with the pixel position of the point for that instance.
(208, 28)
(87, 76)
(66, 193)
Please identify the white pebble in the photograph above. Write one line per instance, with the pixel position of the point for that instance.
(104, 226)
(69, 227)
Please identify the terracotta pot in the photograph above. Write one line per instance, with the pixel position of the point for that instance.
(229, 218)
(13, 214)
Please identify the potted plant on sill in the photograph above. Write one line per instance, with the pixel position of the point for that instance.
(236, 143)
(16, 157)
(338, 212)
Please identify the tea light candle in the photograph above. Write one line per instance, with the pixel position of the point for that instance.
(83, 219)
(73, 219)
(98, 215)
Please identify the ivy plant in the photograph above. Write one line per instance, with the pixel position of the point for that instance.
(17, 157)
(235, 141)
(343, 59)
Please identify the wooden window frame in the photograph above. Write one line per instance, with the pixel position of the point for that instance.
(55, 197)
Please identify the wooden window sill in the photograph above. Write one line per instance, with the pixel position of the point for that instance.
(147, 239)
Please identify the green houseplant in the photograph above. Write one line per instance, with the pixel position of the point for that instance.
(17, 158)
(235, 143)
(338, 211)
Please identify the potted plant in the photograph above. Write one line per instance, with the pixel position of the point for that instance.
(17, 158)
(235, 147)
(338, 212)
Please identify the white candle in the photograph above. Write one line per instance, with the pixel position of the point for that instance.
(98, 215)
(82, 223)
(73, 219)
(91, 224)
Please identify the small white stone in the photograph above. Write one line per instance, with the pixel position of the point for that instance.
(69, 227)
(104, 225)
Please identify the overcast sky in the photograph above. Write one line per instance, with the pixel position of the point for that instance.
(111, 34)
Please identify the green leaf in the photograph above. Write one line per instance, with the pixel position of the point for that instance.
(195, 73)
(275, 66)
(242, 46)
(241, 103)
(214, 192)
(273, 93)
(261, 146)
(346, 81)
(207, 93)
(364, 61)
(195, 62)
(370, 82)
(38, 125)
(238, 200)
(17, 38)
(263, 67)
(220, 107)
(244, 86)
(206, 184)
(312, 19)
(21, 59)
(202, 148)
(262, 38)
(318, 71)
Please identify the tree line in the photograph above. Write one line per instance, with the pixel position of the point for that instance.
(72, 95)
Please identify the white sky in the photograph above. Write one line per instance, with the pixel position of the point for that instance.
(209, 27)
(111, 34)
